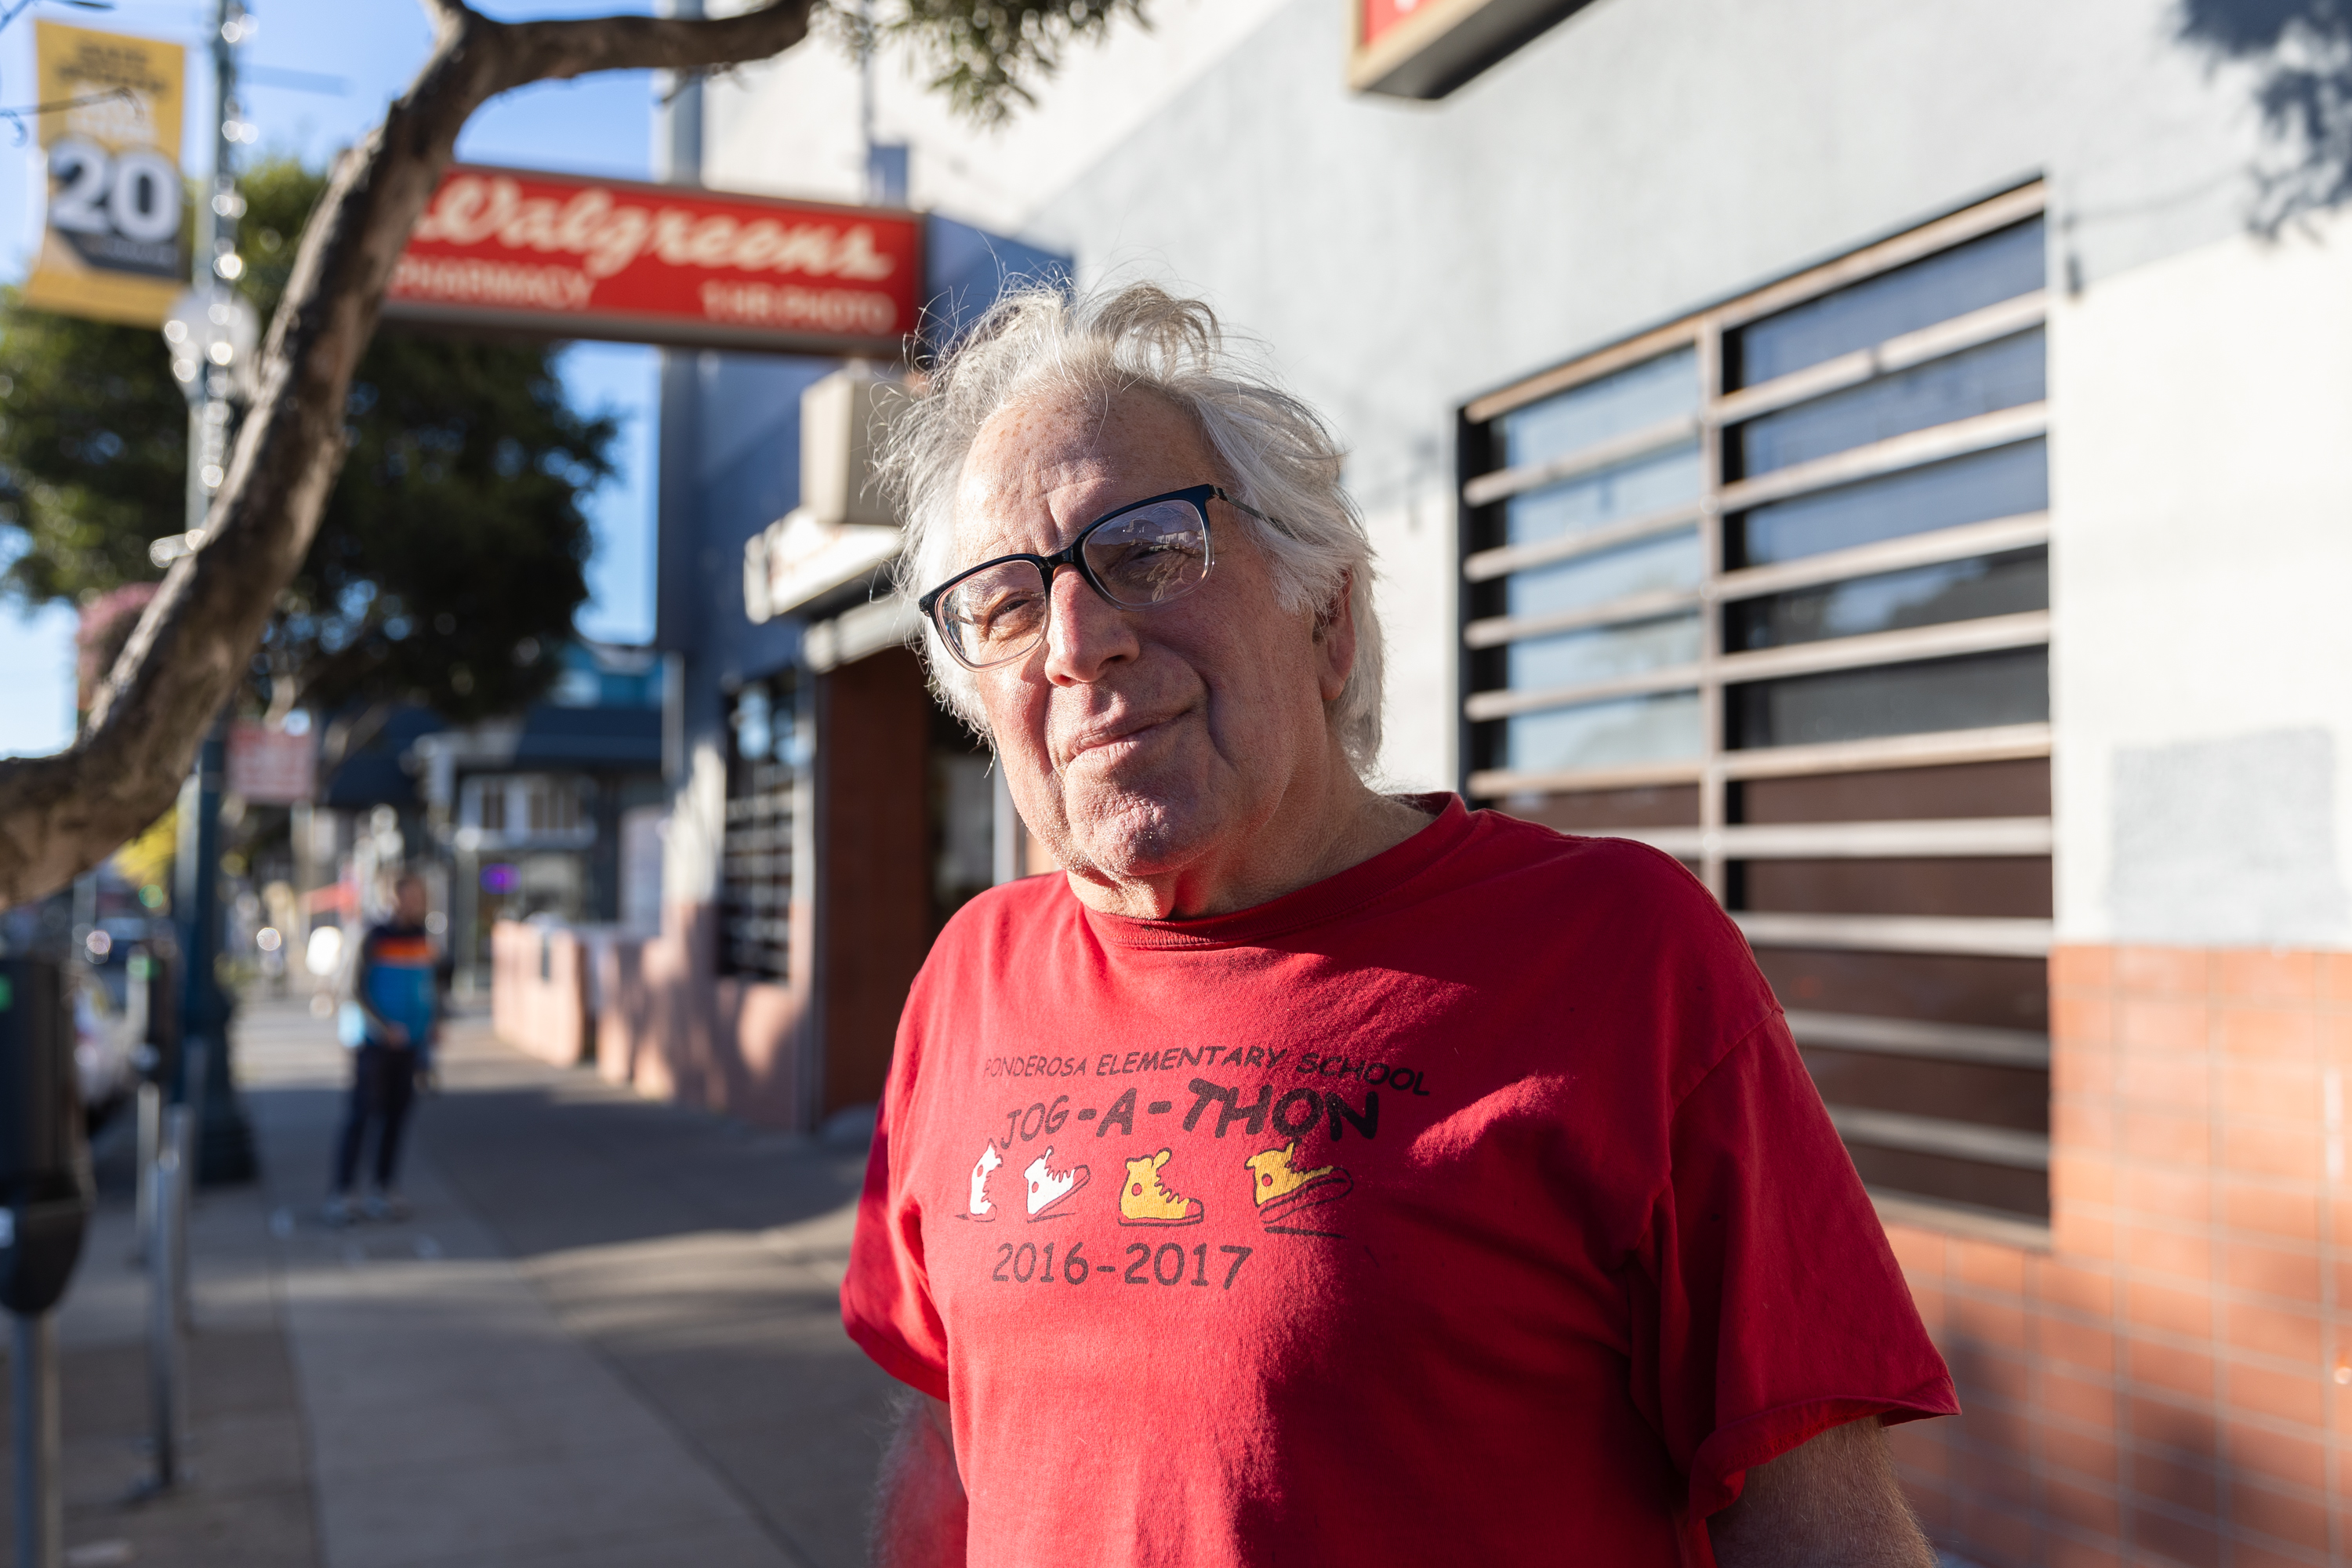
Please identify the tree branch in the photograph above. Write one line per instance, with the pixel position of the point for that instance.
(62, 814)
(559, 50)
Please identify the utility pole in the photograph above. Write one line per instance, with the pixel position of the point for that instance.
(677, 630)
(886, 162)
(217, 266)
(211, 330)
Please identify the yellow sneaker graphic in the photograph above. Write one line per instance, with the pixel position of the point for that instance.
(1281, 1188)
(1145, 1200)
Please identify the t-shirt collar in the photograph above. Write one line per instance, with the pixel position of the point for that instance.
(1330, 899)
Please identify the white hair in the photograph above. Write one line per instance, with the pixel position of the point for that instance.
(1278, 456)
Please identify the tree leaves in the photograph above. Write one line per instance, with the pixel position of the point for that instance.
(988, 54)
(93, 451)
(60, 814)
(454, 536)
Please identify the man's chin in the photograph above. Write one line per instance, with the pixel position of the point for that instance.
(1131, 834)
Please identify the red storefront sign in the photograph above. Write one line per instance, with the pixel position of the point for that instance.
(1380, 16)
(576, 257)
(1426, 48)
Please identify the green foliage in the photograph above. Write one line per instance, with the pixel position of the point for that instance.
(453, 547)
(93, 451)
(986, 53)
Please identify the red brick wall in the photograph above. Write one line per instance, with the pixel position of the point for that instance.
(2170, 1379)
(873, 751)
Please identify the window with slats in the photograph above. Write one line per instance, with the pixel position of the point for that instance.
(551, 805)
(757, 863)
(1769, 588)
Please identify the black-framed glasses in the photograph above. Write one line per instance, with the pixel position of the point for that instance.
(1145, 555)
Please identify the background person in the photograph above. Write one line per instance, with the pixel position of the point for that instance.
(1308, 1175)
(391, 1018)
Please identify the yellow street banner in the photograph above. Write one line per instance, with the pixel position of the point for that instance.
(111, 247)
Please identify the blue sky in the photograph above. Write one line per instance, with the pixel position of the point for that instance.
(370, 47)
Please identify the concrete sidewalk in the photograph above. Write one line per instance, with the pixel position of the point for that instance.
(249, 1500)
(608, 1338)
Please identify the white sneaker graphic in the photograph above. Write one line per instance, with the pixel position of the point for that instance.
(981, 1209)
(1048, 1187)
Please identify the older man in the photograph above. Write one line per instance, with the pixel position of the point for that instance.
(1305, 1174)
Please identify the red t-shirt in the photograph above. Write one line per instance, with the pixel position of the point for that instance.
(1472, 1206)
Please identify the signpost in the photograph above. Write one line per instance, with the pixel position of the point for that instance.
(577, 257)
(268, 766)
(209, 329)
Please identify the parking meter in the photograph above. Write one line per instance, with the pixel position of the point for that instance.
(45, 1176)
(152, 972)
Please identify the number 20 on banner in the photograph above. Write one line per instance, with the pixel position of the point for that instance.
(133, 195)
(111, 249)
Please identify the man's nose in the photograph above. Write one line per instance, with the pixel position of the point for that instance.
(1088, 633)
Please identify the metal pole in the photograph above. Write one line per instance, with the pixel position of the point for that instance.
(227, 1153)
(226, 1142)
(136, 1025)
(298, 935)
(164, 1394)
(217, 266)
(198, 1054)
(217, 224)
(865, 99)
(151, 1147)
(182, 1128)
(195, 891)
(85, 911)
(40, 1508)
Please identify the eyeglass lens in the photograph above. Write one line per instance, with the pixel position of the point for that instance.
(1139, 559)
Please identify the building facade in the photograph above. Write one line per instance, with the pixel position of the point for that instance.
(1891, 458)
(824, 816)
(555, 814)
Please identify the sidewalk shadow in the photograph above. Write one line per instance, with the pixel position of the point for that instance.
(550, 1171)
(698, 1256)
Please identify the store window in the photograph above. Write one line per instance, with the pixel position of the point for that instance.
(765, 771)
(551, 805)
(1769, 588)
(528, 807)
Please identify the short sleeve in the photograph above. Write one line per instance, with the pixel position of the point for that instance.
(1775, 1308)
(886, 1297)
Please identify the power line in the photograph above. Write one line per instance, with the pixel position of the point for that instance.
(17, 116)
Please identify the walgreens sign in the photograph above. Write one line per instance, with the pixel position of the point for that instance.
(608, 258)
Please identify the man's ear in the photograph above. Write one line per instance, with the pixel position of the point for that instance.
(1335, 639)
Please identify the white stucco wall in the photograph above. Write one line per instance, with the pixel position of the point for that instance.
(2202, 497)
(1637, 162)
(792, 125)
(698, 830)
(1649, 156)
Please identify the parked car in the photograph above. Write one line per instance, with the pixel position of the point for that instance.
(107, 1040)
